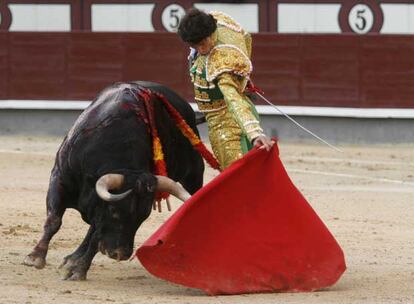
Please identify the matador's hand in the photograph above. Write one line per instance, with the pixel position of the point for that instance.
(263, 142)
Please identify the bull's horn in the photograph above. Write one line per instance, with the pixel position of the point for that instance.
(166, 184)
(109, 182)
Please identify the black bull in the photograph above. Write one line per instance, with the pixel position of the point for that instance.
(110, 148)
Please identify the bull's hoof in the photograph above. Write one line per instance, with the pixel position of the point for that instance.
(72, 270)
(75, 276)
(34, 261)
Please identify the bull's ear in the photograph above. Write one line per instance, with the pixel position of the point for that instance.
(145, 182)
(138, 185)
(150, 182)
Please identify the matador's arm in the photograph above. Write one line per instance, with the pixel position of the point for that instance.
(241, 109)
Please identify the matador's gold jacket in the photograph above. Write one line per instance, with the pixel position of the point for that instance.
(220, 79)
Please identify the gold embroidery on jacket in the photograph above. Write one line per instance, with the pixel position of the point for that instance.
(201, 96)
(227, 58)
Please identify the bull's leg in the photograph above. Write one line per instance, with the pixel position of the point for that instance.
(76, 265)
(55, 211)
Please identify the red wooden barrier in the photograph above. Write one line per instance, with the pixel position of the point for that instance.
(320, 70)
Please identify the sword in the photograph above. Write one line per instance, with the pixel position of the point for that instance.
(298, 124)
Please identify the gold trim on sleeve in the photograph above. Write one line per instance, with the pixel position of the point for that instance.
(227, 58)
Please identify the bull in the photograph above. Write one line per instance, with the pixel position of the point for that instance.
(104, 169)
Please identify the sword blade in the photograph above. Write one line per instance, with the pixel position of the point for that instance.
(298, 124)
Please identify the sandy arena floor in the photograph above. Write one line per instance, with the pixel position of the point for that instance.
(365, 197)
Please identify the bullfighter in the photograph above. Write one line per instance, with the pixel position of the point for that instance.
(220, 69)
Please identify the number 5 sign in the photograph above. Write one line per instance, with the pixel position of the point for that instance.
(171, 17)
(168, 14)
(361, 17)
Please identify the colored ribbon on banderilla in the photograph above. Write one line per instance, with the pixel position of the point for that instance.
(160, 167)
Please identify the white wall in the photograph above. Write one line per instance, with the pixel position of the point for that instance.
(40, 17)
(398, 18)
(292, 17)
(122, 17)
(308, 18)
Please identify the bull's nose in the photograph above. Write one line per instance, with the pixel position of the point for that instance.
(119, 254)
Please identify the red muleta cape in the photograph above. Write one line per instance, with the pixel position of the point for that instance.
(249, 230)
